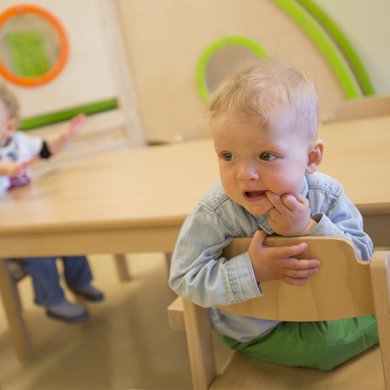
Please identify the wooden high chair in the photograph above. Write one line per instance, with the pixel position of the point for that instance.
(13, 273)
(344, 287)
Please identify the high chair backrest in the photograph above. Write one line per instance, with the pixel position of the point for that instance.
(341, 289)
(344, 287)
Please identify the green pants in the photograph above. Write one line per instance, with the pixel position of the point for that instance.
(322, 345)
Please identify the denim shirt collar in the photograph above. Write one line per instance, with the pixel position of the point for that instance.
(262, 219)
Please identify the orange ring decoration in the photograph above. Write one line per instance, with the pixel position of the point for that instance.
(62, 38)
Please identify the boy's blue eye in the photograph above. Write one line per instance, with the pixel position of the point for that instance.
(266, 156)
(227, 156)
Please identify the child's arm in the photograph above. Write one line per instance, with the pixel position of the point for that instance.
(57, 142)
(11, 168)
(199, 273)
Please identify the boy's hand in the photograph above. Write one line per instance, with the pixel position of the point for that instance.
(290, 215)
(279, 263)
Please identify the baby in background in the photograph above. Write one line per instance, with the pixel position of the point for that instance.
(18, 151)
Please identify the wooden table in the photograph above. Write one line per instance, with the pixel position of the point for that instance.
(136, 200)
(126, 201)
(357, 153)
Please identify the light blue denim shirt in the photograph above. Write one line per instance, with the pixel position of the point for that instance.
(200, 274)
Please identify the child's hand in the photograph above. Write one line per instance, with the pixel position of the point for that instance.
(75, 126)
(279, 263)
(57, 141)
(11, 168)
(28, 163)
(290, 215)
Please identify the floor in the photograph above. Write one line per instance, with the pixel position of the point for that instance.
(126, 344)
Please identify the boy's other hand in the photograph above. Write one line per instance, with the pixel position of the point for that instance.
(290, 215)
(279, 263)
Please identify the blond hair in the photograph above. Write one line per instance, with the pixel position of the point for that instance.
(10, 102)
(262, 89)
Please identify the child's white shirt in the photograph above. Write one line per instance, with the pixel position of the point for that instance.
(21, 147)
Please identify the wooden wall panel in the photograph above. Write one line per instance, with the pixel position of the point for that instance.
(87, 77)
(165, 39)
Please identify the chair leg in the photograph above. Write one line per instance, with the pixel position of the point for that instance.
(16, 323)
(380, 277)
(122, 268)
(200, 345)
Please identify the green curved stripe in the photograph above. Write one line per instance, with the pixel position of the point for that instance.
(213, 48)
(325, 45)
(342, 42)
(62, 116)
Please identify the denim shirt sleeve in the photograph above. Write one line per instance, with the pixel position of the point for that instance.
(199, 273)
(337, 216)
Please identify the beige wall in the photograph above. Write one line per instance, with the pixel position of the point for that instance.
(165, 39)
(96, 70)
(87, 76)
(366, 24)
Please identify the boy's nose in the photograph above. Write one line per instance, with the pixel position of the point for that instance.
(248, 171)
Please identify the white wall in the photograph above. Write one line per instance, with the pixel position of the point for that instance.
(366, 24)
(87, 76)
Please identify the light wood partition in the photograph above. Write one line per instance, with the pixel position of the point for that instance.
(166, 38)
(96, 71)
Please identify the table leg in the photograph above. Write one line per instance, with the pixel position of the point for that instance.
(121, 267)
(13, 310)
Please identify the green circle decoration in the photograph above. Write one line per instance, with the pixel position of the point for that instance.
(217, 45)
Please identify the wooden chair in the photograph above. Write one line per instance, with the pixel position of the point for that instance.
(344, 287)
(9, 279)
(360, 108)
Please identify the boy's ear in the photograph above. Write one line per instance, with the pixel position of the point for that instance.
(314, 157)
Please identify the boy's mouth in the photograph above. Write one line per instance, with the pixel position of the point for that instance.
(251, 195)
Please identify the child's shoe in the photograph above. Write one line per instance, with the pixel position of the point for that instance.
(71, 313)
(89, 292)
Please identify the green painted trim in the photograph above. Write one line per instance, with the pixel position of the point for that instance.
(343, 43)
(62, 116)
(325, 44)
(213, 48)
